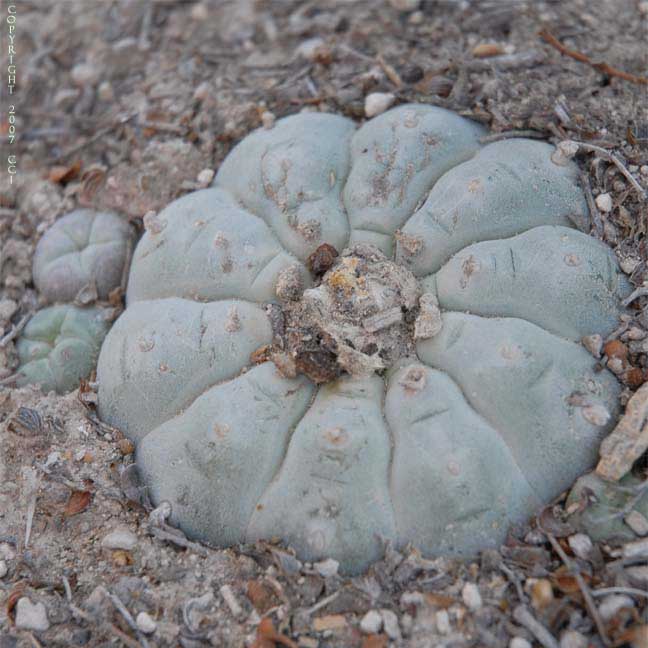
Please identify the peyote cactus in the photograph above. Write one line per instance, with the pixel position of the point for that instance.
(424, 385)
(82, 248)
(59, 346)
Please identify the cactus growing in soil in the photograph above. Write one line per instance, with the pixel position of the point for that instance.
(59, 346)
(424, 384)
(82, 248)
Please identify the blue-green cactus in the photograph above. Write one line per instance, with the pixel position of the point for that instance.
(60, 346)
(440, 434)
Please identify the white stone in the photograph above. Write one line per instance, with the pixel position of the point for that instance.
(105, 91)
(268, 119)
(594, 344)
(309, 48)
(205, 177)
(390, 624)
(573, 639)
(120, 539)
(519, 642)
(580, 544)
(31, 616)
(637, 522)
(66, 98)
(371, 622)
(377, 102)
(232, 603)
(638, 576)
(416, 18)
(604, 202)
(3, 568)
(145, 623)
(443, 622)
(405, 5)
(564, 152)
(327, 568)
(471, 596)
(610, 605)
(85, 74)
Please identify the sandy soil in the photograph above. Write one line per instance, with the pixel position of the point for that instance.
(121, 104)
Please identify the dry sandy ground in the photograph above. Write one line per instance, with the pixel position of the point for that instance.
(122, 103)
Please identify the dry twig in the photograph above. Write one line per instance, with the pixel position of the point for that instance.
(582, 586)
(523, 616)
(605, 68)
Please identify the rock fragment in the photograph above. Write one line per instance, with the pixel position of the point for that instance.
(371, 623)
(31, 616)
(628, 441)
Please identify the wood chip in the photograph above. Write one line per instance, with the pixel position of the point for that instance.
(329, 622)
(628, 441)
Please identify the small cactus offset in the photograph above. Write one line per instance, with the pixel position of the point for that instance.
(371, 334)
(82, 248)
(60, 346)
(80, 259)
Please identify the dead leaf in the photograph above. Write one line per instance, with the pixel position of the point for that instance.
(261, 596)
(486, 50)
(439, 600)
(77, 502)
(268, 637)
(63, 174)
(122, 558)
(375, 641)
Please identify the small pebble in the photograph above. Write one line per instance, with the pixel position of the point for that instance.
(199, 12)
(145, 623)
(541, 594)
(390, 624)
(636, 549)
(371, 622)
(644, 170)
(205, 177)
(594, 344)
(85, 74)
(564, 152)
(412, 74)
(268, 119)
(610, 605)
(31, 616)
(416, 18)
(471, 596)
(604, 202)
(519, 642)
(405, 5)
(232, 603)
(377, 102)
(581, 545)
(3, 568)
(120, 539)
(327, 568)
(105, 91)
(443, 622)
(573, 639)
(66, 98)
(638, 576)
(310, 48)
(637, 522)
